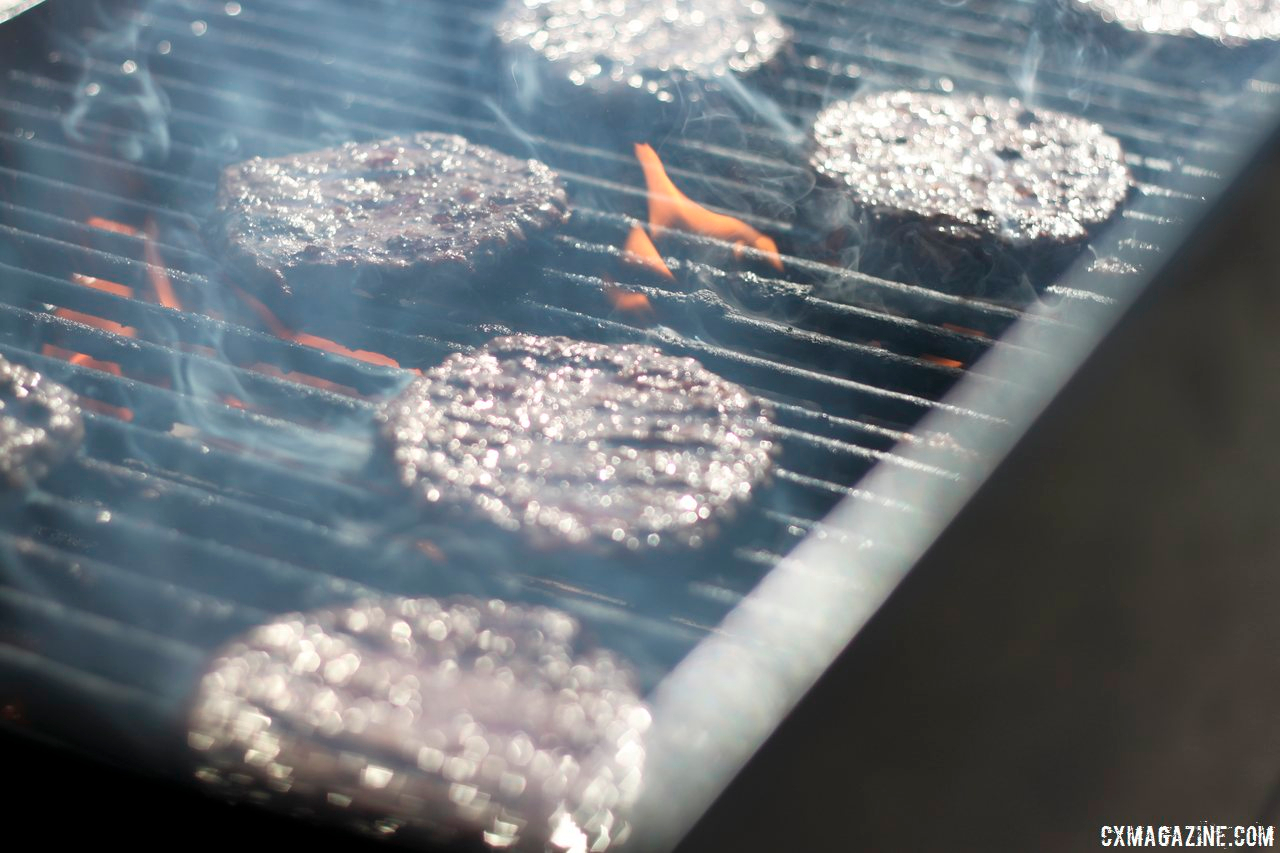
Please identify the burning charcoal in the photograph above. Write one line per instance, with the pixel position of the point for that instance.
(582, 443)
(453, 719)
(40, 424)
(955, 186)
(399, 216)
(1231, 22)
(634, 54)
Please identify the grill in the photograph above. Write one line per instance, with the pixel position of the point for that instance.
(189, 516)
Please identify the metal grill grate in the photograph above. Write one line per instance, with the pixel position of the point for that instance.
(161, 538)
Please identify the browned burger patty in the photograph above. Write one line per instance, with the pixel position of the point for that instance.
(973, 166)
(639, 44)
(1231, 22)
(450, 719)
(974, 194)
(40, 424)
(632, 69)
(396, 216)
(575, 442)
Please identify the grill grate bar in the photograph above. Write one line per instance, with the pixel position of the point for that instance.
(447, 55)
(239, 576)
(856, 397)
(160, 409)
(387, 129)
(986, 316)
(907, 299)
(94, 262)
(198, 558)
(981, 42)
(908, 62)
(389, 115)
(705, 315)
(63, 687)
(242, 346)
(237, 42)
(81, 636)
(58, 369)
(165, 608)
(51, 288)
(889, 51)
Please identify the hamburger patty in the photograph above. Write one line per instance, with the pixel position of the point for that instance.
(584, 443)
(1227, 21)
(398, 216)
(973, 167)
(456, 717)
(40, 424)
(635, 45)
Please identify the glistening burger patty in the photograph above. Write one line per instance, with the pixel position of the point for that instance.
(452, 718)
(973, 167)
(400, 215)
(1231, 22)
(576, 442)
(40, 424)
(653, 49)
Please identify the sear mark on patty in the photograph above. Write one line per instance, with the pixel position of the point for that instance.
(603, 446)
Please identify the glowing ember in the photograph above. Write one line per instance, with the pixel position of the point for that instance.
(639, 251)
(161, 286)
(944, 362)
(670, 208)
(964, 330)
(83, 359)
(367, 356)
(111, 225)
(98, 322)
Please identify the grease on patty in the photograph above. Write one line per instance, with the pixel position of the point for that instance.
(584, 443)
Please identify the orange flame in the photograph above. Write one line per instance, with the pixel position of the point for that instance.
(670, 208)
(629, 301)
(944, 362)
(280, 330)
(639, 251)
(161, 286)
